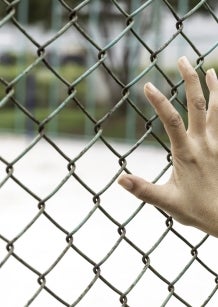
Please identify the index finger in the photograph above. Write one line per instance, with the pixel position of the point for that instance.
(169, 116)
(195, 98)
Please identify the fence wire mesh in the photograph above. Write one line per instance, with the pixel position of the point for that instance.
(99, 257)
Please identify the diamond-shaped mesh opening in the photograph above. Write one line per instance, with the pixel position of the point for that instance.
(71, 83)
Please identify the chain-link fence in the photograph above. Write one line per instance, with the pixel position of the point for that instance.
(68, 234)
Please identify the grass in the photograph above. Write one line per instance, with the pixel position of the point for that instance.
(70, 121)
(49, 92)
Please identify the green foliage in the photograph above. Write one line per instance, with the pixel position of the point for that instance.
(2, 9)
(41, 11)
(176, 4)
(44, 80)
(71, 120)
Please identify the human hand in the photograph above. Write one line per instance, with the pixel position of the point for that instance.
(191, 194)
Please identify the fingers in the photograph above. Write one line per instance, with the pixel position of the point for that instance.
(212, 114)
(169, 116)
(150, 193)
(195, 98)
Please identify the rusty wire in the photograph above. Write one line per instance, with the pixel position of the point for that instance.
(73, 21)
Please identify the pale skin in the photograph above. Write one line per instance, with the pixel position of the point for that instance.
(191, 194)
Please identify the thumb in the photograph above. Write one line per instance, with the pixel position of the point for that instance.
(146, 191)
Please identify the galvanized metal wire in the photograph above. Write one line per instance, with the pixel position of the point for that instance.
(74, 22)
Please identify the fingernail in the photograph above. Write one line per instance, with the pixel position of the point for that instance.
(126, 183)
(150, 87)
(183, 60)
(211, 72)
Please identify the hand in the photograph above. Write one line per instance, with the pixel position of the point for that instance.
(191, 194)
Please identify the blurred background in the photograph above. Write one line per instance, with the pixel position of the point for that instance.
(73, 117)
(34, 29)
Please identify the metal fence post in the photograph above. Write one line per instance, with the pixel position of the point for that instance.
(133, 66)
(93, 23)
(55, 61)
(19, 124)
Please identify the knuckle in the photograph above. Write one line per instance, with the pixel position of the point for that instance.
(175, 119)
(162, 99)
(214, 108)
(191, 157)
(199, 103)
(142, 193)
(193, 77)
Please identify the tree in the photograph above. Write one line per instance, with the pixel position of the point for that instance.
(101, 19)
(192, 3)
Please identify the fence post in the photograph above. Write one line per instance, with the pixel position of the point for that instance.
(156, 27)
(133, 66)
(93, 22)
(55, 61)
(19, 124)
